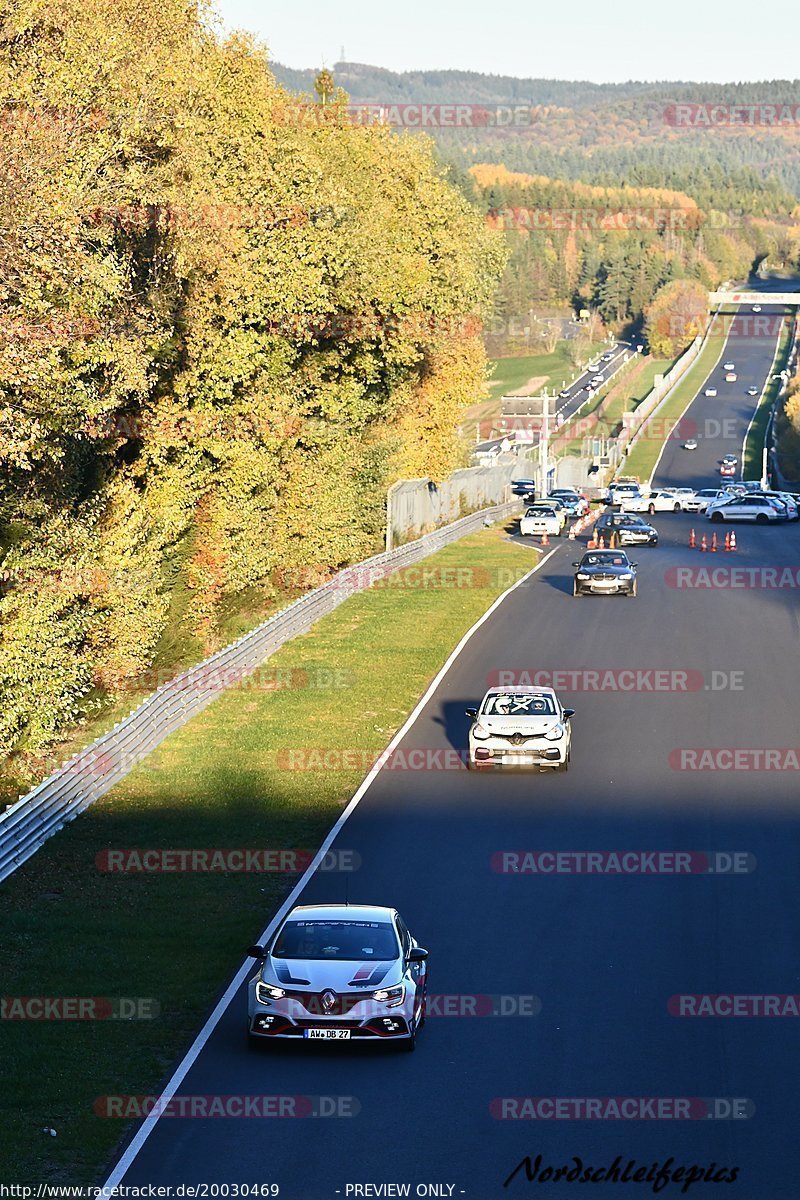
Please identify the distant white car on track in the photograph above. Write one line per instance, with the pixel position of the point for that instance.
(690, 444)
(339, 972)
(539, 519)
(710, 391)
(520, 727)
(752, 391)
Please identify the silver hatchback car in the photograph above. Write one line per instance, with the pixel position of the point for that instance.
(339, 972)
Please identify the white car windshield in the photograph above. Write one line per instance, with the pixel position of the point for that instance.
(505, 704)
(340, 940)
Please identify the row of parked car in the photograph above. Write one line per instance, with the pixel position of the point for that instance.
(728, 502)
(623, 522)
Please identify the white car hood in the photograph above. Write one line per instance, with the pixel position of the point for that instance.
(521, 724)
(315, 975)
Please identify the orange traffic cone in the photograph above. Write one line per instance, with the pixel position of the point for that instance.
(692, 540)
(733, 540)
(714, 542)
(727, 541)
(545, 539)
(703, 543)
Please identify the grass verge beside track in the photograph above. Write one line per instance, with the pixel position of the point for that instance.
(752, 457)
(70, 929)
(645, 454)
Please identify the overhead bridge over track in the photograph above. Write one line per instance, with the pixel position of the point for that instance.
(717, 298)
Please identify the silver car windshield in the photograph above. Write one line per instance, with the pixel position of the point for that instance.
(504, 704)
(342, 941)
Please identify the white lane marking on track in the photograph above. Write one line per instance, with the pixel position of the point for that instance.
(188, 1060)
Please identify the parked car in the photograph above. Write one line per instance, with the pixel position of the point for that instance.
(523, 487)
(625, 529)
(521, 727)
(620, 489)
(651, 502)
(539, 519)
(761, 509)
(557, 505)
(604, 573)
(339, 972)
(576, 503)
(706, 496)
(788, 501)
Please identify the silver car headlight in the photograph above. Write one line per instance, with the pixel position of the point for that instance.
(480, 731)
(267, 991)
(391, 997)
(554, 733)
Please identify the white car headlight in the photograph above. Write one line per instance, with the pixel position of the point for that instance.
(267, 991)
(554, 733)
(480, 731)
(391, 997)
(581, 575)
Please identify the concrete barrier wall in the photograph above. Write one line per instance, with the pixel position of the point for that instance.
(417, 506)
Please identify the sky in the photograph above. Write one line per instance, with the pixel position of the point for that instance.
(608, 41)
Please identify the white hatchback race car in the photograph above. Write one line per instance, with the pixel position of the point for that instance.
(339, 972)
(520, 727)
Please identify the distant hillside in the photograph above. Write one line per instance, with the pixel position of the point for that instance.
(621, 133)
(368, 83)
(364, 82)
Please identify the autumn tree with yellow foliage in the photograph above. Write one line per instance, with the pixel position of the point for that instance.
(228, 321)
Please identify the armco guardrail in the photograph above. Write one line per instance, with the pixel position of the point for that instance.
(84, 778)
